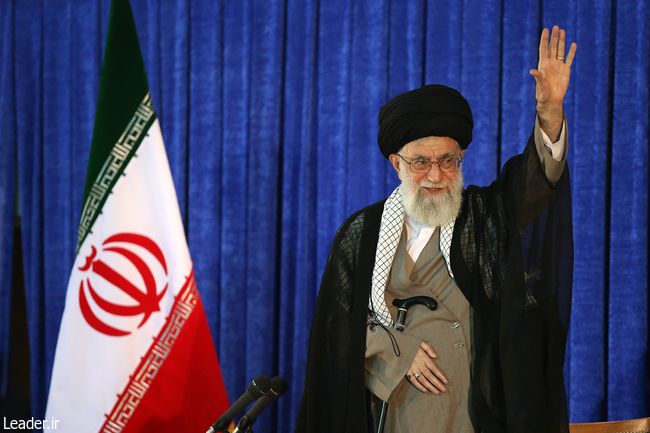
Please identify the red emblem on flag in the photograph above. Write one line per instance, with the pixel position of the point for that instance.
(125, 298)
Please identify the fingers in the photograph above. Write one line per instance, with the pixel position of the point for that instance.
(424, 374)
(427, 381)
(554, 42)
(430, 379)
(439, 375)
(560, 44)
(556, 48)
(416, 383)
(436, 376)
(543, 45)
(428, 349)
(537, 74)
(572, 54)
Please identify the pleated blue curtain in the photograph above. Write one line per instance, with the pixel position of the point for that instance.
(593, 113)
(269, 115)
(7, 185)
(628, 259)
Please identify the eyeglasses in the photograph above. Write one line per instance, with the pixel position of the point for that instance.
(448, 164)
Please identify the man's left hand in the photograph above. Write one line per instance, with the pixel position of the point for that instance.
(552, 77)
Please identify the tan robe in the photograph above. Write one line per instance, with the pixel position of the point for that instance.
(447, 329)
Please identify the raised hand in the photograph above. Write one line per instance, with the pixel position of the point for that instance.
(552, 77)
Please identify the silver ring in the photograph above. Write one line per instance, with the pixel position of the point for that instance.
(417, 375)
(559, 57)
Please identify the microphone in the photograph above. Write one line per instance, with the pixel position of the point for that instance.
(278, 387)
(258, 387)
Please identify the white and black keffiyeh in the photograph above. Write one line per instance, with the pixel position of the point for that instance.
(392, 223)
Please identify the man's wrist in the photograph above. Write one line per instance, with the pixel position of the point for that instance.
(551, 117)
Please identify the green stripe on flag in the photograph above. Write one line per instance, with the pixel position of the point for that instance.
(118, 158)
(123, 106)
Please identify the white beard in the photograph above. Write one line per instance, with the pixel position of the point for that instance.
(432, 210)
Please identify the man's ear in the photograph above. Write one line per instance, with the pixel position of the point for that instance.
(394, 160)
(462, 154)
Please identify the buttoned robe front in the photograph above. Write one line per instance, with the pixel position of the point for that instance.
(447, 329)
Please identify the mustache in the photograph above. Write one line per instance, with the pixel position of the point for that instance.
(429, 184)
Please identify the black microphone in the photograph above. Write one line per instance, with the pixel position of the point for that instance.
(278, 387)
(258, 387)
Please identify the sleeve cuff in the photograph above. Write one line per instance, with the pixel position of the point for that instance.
(555, 148)
(553, 167)
(384, 369)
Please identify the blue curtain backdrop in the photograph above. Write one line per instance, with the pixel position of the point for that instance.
(268, 110)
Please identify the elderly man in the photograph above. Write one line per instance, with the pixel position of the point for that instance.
(496, 259)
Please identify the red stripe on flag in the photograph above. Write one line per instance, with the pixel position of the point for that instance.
(178, 385)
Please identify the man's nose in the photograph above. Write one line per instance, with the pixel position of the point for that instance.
(435, 175)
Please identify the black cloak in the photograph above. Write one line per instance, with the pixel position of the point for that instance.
(512, 257)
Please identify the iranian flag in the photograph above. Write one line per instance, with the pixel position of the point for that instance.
(134, 352)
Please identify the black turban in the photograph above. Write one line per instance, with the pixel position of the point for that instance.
(431, 110)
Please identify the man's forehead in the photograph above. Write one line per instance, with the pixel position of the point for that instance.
(431, 146)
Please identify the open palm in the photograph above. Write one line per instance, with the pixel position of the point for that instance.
(553, 70)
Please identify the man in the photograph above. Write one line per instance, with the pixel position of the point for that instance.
(497, 259)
